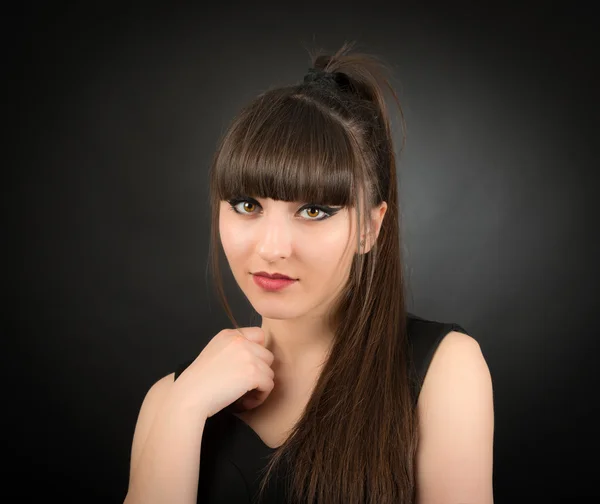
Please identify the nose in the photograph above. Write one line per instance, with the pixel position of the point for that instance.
(275, 235)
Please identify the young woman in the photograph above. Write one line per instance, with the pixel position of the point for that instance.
(340, 396)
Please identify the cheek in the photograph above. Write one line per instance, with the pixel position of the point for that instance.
(232, 229)
(233, 239)
(326, 253)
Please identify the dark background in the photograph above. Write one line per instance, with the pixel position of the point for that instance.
(111, 116)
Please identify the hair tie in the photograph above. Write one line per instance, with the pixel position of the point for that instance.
(336, 80)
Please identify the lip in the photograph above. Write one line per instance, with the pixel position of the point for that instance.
(272, 284)
(274, 275)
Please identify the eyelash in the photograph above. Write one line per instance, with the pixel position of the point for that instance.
(328, 211)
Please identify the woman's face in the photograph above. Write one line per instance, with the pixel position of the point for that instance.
(294, 239)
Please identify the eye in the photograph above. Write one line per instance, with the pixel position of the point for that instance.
(235, 202)
(315, 209)
(249, 204)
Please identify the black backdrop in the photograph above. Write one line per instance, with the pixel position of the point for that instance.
(111, 117)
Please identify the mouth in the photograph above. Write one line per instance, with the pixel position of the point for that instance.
(272, 284)
(275, 276)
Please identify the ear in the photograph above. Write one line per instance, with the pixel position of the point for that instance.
(377, 215)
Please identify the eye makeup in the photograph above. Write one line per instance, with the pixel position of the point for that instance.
(325, 210)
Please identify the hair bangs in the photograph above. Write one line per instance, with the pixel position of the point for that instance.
(289, 151)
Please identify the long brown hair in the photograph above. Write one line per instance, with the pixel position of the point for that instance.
(356, 440)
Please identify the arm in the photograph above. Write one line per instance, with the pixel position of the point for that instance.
(165, 452)
(456, 416)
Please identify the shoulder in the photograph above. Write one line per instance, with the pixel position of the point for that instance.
(456, 351)
(424, 337)
(457, 361)
(456, 424)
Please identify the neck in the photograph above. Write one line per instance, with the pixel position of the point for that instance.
(298, 346)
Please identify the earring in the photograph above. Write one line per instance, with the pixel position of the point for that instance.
(362, 243)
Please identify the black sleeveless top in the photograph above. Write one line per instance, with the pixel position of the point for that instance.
(232, 454)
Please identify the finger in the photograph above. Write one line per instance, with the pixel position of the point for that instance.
(261, 352)
(260, 394)
(254, 334)
(265, 369)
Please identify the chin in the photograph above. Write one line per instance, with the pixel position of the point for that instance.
(276, 310)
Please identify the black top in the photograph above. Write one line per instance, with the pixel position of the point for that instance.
(232, 454)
